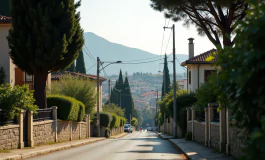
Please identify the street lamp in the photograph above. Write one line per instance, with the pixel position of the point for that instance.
(98, 71)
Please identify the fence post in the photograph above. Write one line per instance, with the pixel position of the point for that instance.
(228, 115)
(192, 121)
(30, 129)
(88, 125)
(54, 115)
(21, 127)
(223, 138)
(206, 127)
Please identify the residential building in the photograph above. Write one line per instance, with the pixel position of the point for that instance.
(14, 75)
(93, 78)
(150, 97)
(182, 83)
(198, 68)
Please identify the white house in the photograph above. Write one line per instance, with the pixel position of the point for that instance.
(198, 68)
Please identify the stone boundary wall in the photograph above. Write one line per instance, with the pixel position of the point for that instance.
(235, 144)
(44, 132)
(9, 137)
(117, 130)
(189, 126)
(199, 132)
(63, 130)
(215, 135)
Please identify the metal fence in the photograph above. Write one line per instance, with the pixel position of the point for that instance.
(43, 114)
(5, 120)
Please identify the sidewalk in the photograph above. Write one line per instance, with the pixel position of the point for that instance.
(44, 149)
(195, 151)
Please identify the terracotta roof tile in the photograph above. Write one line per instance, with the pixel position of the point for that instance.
(5, 19)
(200, 59)
(57, 76)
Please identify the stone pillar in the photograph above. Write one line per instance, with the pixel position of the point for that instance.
(71, 130)
(210, 118)
(228, 115)
(54, 114)
(21, 127)
(193, 114)
(30, 129)
(223, 138)
(88, 125)
(207, 123)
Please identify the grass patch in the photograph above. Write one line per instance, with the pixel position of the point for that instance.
(5, 151)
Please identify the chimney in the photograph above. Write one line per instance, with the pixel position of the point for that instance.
(191, 48)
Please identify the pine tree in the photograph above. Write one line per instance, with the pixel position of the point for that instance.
(166, 79)
(46, 36)
(71, 68)
(80, 63)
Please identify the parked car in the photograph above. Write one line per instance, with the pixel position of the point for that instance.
(128, 128)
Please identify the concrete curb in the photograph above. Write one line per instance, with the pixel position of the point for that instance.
(116, 137)
(45, 151)
(183, 152)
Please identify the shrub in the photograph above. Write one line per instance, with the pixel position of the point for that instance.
(115, 121)
(68, 108)
(82, 111)
(105, 119)
(2, 75)
(78, 88)
(134, 122)
(188, 136)
(123, 121)
(107, 132)
(12, 100)
(113, 108)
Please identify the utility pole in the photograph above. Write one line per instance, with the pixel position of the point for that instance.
(164, 75)
(109, 93)
(98, 116)
(174, 86)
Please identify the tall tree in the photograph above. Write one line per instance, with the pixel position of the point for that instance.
(80, 63)
(166, 79)
(71, 68)
(214, 18)
(46, 36)
(127, 100)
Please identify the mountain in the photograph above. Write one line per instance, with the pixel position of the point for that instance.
(130, 57)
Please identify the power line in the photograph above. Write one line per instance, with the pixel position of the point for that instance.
(89, 52)
(143, 62)
(168, 40)
(142, 59)
(91, 67)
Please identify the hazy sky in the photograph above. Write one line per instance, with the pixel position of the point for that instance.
(135, 24)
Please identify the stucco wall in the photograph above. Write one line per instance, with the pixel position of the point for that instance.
(9, 137)
(44, 132)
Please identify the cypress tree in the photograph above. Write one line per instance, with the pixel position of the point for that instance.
(166, 79)
(71, 68)
(46, 36)
(80, 63)
(127, 100)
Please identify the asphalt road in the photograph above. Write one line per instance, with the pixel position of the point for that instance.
(135, 146)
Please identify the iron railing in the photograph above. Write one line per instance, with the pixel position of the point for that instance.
(43, 114)
(4, 120)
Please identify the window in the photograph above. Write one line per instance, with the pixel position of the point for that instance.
(207, 73)
(189, 77)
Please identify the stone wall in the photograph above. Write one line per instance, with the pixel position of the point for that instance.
(44, 132)
(199, 132)
(63, 130)
(9, 137)
(75, 130)
(235, 144)
(215, 134)
(189, 126)
(83, 130)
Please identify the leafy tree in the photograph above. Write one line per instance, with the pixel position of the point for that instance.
(114, 109)
(80, 63)
(78, 88)
(45, 36)
(214, 18)
(166, 79)
(2, 75)
(242, 81)
(72, 67)
(134, 122)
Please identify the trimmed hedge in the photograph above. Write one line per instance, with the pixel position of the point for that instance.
(116, 121)
(82, 111)
(123, 121)
(68, 108)
(105, 119)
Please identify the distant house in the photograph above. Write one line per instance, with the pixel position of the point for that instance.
(93, 78)
(150, 97)
(14, 75)
(198, 69)
(139, 104)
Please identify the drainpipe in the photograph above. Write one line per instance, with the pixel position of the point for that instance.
(199, 76)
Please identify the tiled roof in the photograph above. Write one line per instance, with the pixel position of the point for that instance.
(201, 58)
(5, 19)
(57, 76)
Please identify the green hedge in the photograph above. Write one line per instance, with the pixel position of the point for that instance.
(82, 111)
(105, 119)
(68, 108)
(116, 121)
(123, 121)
